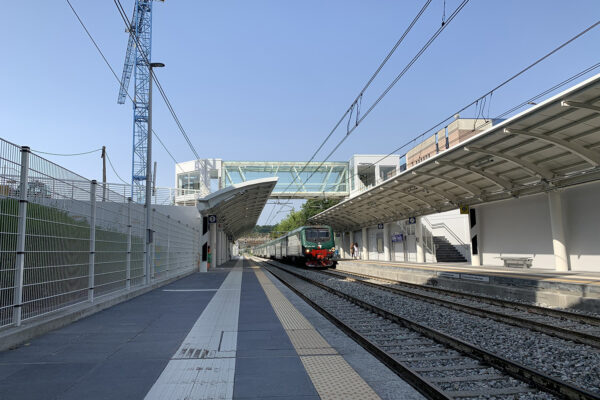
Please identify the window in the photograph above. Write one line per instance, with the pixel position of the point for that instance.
(317, 235)
(190, 180)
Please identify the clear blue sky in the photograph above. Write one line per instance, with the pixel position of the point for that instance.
(267, 80)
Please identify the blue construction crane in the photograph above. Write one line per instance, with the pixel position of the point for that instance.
(139, 50)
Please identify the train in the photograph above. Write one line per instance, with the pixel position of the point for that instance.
(311, 246)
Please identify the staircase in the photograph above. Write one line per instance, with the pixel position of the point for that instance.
(446, 252)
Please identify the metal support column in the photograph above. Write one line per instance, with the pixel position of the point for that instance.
(213, 245)
(218, 247)
(340, 246)
(21, 230)
(386, 242)
(91, 269)
(128, 257)
(419, 240)
(365, 244)
(561, 257)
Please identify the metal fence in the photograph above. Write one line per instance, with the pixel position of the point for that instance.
(65, 240)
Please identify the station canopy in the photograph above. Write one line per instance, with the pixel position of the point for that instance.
(549, 146)
(237, 207)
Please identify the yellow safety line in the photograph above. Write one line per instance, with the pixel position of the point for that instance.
(331, 375)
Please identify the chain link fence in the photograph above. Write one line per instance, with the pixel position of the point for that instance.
(66, 240)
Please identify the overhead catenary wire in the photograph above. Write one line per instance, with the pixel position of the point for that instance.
(489, 93)
(115, 75)
(504, 83)
(388, 88)
(356, 102)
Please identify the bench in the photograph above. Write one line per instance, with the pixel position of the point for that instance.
(517, 262)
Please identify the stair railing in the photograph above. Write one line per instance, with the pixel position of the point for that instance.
(462, 247)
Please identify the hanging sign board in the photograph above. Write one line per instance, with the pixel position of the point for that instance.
(397, 237)
(412, 220)
(212, 219)
(464, 209)
(379, 226)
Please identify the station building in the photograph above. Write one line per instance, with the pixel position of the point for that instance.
(518, 192)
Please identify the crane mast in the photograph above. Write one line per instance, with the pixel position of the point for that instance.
(138, 59)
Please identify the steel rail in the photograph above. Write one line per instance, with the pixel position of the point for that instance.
(518, 371)
(426, 388)
(557, 331)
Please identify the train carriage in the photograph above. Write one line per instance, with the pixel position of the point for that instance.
(311, 246)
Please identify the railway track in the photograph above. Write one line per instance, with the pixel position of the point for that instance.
(438, 365)
(579, 328)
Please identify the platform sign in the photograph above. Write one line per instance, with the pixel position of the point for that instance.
(479, 278)
(379, 226)
(397, 237)
(412, 220)
(464, 209)
(212, 219)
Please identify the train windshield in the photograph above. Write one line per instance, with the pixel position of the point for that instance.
(317, 235)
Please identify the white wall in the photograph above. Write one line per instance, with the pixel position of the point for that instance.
(582, 222)
(454, 226)
(516, 228)
(521, 227)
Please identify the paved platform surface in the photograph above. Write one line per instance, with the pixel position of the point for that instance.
(570, 289)
(550, 275)
(234, 332)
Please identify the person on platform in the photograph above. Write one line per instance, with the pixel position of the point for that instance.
(352, 250)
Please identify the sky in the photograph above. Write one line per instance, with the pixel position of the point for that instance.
(268, 80)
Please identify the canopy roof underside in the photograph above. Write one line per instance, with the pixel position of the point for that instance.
(552, 145)
(238, 207)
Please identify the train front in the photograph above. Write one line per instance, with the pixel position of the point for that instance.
(318, 247)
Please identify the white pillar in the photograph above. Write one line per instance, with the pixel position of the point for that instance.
(365, 244)
(386, 242)
(220, 246)
(341, 246)
(419, 240)
(561, 257)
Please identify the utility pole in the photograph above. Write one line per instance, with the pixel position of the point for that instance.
(149, 236)
(103, 156)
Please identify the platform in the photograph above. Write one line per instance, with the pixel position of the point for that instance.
(234, 332)
(570, 289)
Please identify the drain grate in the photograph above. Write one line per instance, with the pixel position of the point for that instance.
(192, 353)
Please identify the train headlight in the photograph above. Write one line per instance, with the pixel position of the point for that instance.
(332, 249)
(307, 251)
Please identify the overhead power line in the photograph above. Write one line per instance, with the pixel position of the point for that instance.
(356, 103)
(358, 98)
(113, 169)
(477, 100)
(505, 82)
(66, 154)
(115, 75)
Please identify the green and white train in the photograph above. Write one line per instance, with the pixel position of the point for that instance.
(311, 246)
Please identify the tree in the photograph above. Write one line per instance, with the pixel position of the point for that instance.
(296, 219)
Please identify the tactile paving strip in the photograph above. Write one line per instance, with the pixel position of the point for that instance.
(204, 365)
(331, 375)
